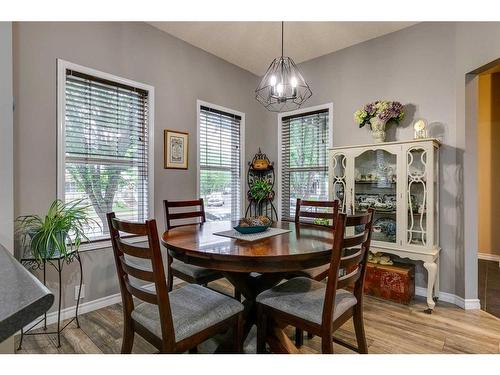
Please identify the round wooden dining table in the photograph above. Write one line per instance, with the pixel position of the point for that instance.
(251, 266)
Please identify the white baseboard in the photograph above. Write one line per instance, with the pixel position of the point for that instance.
(493, 257)
(84, 307)
(467, 304)
(472, 304)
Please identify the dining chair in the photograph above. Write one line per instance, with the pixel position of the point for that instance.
(321, 308)
(314, 213)
(173, 322)
(187, 211)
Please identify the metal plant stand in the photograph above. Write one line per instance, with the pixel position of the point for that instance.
(265, 206)
(57, 261)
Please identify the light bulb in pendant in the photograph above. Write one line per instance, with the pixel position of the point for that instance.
(279, 89)
(272, 81)
(293, 83)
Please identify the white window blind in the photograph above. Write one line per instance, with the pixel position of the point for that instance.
(304, 167)
(106, 148)
(220, 163)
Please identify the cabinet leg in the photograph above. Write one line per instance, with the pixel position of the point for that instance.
(431, 268)
(436, 283)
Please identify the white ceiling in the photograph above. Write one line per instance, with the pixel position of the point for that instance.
(253, 45)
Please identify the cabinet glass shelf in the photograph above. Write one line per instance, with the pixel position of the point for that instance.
(376, 187)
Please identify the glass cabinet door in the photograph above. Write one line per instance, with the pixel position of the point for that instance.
(417, 196)
(375, 186)
(338, 180)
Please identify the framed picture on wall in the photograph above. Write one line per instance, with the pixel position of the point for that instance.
(176, 149)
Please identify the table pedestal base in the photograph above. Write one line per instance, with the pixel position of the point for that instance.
(250, 285)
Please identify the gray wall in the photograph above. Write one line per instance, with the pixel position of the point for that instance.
(180, 73)
(6, 138)
(410, 66)
(476, 45)
(424, 66)
(6, 151)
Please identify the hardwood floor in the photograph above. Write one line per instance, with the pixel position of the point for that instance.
(489, 286)
(390, 328)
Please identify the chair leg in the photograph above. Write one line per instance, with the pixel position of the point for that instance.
(309, 335)
(327, 344)
(193, 350)
(170, 276)
(237, 295)
(359, 329)
(238, 334)
(261, 330)
(128, 337)
(170, 280)
(299, 337)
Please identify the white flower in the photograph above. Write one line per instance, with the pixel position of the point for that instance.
(359, 116)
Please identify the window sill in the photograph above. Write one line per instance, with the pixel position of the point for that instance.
(106, 244)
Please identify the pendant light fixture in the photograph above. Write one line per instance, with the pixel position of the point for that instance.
(282, 88)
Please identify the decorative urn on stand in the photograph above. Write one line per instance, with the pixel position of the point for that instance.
(378, 115)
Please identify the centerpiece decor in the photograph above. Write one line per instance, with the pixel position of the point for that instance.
(252, 225)
(379, 114)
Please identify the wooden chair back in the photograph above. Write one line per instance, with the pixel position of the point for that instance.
(198, 214)
(152, 272)
(309, 210)
(350, 253)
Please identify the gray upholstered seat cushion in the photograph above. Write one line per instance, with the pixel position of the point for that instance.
(194, 308)
(304, 298)
(313, 273)
(194, 271)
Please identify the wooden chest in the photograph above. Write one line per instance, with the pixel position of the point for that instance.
(395, 282)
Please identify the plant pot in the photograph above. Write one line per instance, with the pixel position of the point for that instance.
(51, 250)
(378, 129)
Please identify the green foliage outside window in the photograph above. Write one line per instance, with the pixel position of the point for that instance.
(214, 181)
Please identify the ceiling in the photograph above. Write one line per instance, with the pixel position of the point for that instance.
(253, 45)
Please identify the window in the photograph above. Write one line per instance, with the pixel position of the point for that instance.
(104, 145)
(219, 158)
(304, 166)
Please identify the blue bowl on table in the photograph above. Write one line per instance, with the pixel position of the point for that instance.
(252, 229)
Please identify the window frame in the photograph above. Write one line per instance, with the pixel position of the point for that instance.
(62, 66)
(201, 103)
(327, 106)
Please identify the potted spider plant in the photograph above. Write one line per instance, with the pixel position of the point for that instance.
(60, 232)
(260, 190)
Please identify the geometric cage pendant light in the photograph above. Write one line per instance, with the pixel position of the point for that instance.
(282, 88)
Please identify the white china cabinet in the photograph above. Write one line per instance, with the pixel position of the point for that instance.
(400, 181)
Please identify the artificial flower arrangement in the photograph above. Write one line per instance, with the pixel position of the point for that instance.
(383, 110)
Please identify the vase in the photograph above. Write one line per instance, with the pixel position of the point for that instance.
(50, 250)
(378, 129)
